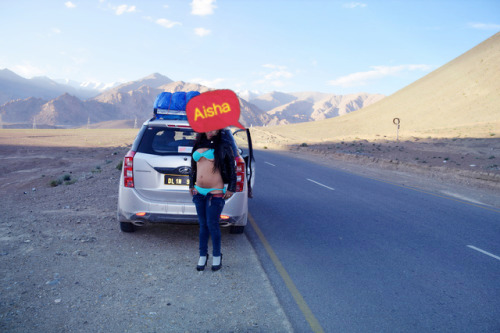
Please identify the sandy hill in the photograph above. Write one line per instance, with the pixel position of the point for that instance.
(459, 99)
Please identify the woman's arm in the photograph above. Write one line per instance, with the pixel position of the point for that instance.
(229, 169)
(192, 174)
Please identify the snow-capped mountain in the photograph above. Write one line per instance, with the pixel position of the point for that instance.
(247, 95)
(69, 103)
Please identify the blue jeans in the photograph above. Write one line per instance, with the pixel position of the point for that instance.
(209, 210)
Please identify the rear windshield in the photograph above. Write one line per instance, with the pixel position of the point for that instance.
(167, 141)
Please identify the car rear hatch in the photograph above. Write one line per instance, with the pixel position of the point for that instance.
(161, 178)
(162, 164)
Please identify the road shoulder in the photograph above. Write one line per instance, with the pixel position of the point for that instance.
(67, 267)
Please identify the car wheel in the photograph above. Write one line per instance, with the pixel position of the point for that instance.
(236, 229)
(127, 227)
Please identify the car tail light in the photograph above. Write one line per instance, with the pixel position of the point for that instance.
(128, 169)
(240, 173)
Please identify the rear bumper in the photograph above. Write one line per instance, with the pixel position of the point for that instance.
(177, 219)
(130, 203)
(158, 218)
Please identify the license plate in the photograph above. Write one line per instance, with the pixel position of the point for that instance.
(176, 180)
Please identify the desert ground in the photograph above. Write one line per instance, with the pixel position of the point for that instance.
(472, 161)
(67, 267)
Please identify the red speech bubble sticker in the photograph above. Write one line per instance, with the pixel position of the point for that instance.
(213, 110)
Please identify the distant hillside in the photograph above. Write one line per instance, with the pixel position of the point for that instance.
(125, 103)
(115, 94)
(13, 86)
(267, 102)
(460, 99)
(18, 111)
(291, 108)
(134, 100)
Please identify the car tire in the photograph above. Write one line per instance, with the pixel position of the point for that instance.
(127, 227)
(236, 229)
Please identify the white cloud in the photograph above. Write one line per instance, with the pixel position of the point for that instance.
(166, 23)
(275, 83)
(277, 77)
(278, 72)
(162, 21)
(69, 4)
(119, 10)
(273, 66)
(27, 70)
(203, 7)
(352, 5)
(484, 26)
(56, 30)
(202, 32)
(377, 72)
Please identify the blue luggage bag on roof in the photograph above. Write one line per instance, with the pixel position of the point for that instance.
(176, 101)
(162, 101)
(168, 105)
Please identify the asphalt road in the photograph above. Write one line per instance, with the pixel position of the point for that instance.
(352, 254)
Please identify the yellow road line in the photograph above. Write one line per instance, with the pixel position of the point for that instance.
(306, 311)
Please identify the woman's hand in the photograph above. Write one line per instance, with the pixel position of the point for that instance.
(228, 195)
(193, 191)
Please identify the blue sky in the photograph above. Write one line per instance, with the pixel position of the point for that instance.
(335, 47)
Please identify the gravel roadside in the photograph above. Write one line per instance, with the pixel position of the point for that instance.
(66, 267)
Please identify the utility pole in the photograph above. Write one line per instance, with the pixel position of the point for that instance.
(34, 123)
(88, 122)
(135, 122)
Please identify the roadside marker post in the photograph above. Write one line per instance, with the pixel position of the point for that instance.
(396, 121)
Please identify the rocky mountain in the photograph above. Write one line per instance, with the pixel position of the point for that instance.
(153, 81)
(18, 111)
(67, 110)
(131, 100)
(13, 86)
(248, 95)
(301, 107)
(269, 101)
(93, 88)
(134, 100)
(63, 111)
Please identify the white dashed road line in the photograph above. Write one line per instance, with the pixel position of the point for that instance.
(270, 164)
(315, 182)
(483, 252)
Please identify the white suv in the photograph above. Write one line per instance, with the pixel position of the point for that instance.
(154, 183)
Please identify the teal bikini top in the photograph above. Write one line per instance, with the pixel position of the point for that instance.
(209, 155)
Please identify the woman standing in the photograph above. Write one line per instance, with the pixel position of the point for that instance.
(212, 165)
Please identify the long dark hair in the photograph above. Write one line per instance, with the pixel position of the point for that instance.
(203, 142)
